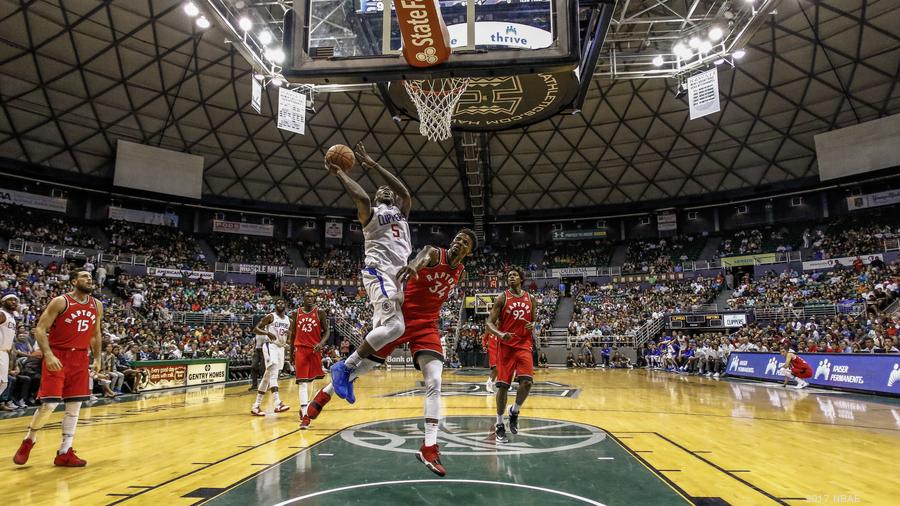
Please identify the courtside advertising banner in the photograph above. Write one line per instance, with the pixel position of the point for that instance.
(43, 202)
(879, 373)
(178, 273)
(243, 228)
(148, 218)
(206, 373)
(160, 376)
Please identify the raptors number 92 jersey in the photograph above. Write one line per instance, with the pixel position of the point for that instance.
(425, 295)
(387, 239)
(516, 313)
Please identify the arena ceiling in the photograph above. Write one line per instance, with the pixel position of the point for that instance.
(79, 74)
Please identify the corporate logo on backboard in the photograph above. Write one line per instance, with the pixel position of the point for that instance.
(454, 389)
(423, 31)
(494, 33)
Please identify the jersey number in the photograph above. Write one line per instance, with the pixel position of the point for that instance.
(82, 325)
(439, 288)
(518, 314)
(395, 229)
(306, 327)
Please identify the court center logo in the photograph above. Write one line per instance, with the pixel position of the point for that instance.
(473, 436)
(479, 389)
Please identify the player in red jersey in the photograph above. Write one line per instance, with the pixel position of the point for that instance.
(311, 332)
(489, 343)
(433, 275)
(512, 320)
(67, 328)
(795, 367)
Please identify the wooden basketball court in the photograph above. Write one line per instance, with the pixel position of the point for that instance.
(588, 437)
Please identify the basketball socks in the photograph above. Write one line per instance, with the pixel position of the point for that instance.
(328, 389)
(70, 421)
(431, 432)
(40, 419)
(276, 397)
(499, 419)
(259, 399)
(353, 360)
(514, 409)
(304, 397)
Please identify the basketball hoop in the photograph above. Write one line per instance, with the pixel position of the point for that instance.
(436, 99)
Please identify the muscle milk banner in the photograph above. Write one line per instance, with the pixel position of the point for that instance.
(43, 202)
(845, 261)
(242, 228)
(135, 216)
(869, 372)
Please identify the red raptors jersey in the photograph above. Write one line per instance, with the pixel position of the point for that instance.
(74, 327)
(308, 331)
(424, 296)
(488, 339)
(798, 364)
(515, 315)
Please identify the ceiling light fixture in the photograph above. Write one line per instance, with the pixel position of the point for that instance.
(658, 60)
(715, 33)
(739, 54)
(265, 37)
(203, 23)
(191, 9)
(694, 42)
(245, 24)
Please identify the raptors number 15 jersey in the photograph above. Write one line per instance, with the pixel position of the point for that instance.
(74, 327)
(424, 296)
(516, 313)
(308, 332)
(387, 239)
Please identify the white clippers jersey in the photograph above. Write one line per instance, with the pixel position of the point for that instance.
(7, 332)
(280, 327)
(387, 239)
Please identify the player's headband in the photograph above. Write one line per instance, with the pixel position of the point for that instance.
(9, 296)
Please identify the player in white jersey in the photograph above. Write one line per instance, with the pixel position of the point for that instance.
(388, 247)
(9, 304)
(275, 326)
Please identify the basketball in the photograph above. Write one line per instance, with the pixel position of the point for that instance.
(340, 155)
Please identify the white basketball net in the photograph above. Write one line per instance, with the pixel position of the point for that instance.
(436, 100)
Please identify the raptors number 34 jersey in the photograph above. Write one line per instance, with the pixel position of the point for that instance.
(424, 296)
(387, 239)
(308, 332)
(74, 327)
(516, 313)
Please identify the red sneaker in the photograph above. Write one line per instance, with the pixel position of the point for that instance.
(256, 412)
(68, 459)
(319, 402)
(304, 424)
(281, 407)
(21, 456)
(431, 457)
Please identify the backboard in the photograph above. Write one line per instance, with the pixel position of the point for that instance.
(358, 41)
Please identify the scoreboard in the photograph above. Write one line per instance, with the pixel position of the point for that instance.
(707, 321)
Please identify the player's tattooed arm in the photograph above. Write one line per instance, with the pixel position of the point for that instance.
(404, 199)
(429, 256)
(359, 196)
(494, 318)
(326, 331)
(260, 328)
(42, 329)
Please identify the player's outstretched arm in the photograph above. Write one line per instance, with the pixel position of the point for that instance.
(326, 330)
(404, 199)
(359, 196)
(494, 317)
(42, 330)
(97, 338)
(260, 328)
(429, 256)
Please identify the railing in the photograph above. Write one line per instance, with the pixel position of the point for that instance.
(123, 259)
(73, 252)
(281, 270)
(892, 244)
(197, 318)
(348, 330)
(648, 331)
(781, 312)
(892, 309)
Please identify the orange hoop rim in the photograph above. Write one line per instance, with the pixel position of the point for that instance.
(412, 87)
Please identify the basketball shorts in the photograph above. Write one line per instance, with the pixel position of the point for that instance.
(513, 362)
(69, 383)
(384, 295)
(492, 352)
(308, 364)
(802, 372)
(422, 336)
(4, 365)
(273, 355)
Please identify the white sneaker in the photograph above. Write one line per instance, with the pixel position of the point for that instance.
(801, 384)
(716, 375)
(489, 386)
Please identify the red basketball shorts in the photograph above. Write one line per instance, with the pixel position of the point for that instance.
(802, 372)
(513, 362)
(308, 364)
(422, 336)
(69, 383)
(492, 352)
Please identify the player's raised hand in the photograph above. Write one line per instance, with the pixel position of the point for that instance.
(362, 156)
(406, 273)
(332, 168)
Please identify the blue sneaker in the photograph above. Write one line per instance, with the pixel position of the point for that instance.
(340, 381)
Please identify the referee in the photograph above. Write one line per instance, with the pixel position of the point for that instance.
(257, 363)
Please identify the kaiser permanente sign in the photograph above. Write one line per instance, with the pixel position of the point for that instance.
(494, 33)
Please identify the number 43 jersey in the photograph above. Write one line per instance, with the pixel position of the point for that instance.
(423, 297)
(516, 313)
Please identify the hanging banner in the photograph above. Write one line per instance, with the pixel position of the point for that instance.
(291, 111)
(666, 221)
(813, 265)
(885, 198)
(243, 228)
(135, 216)
(573, 272)
(334, 230)
(578, 235)
(256, 95)
(178, 273)
(703, 93)
(760, 259)
(55, 204)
